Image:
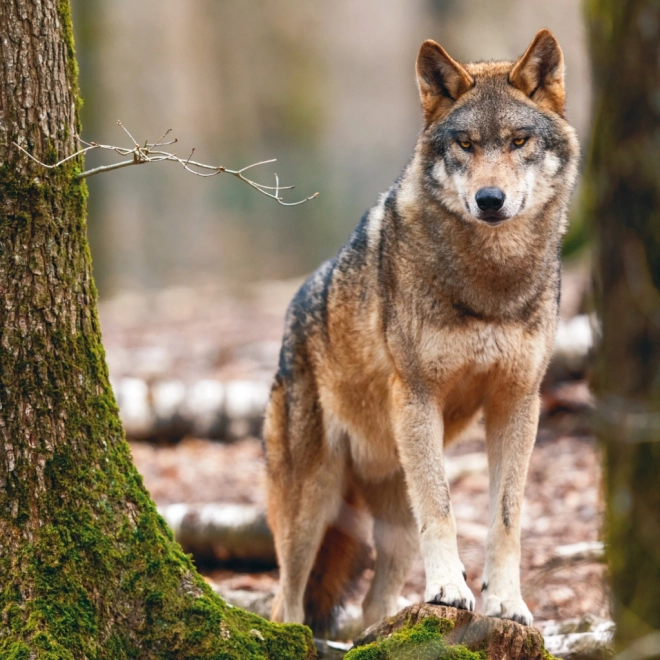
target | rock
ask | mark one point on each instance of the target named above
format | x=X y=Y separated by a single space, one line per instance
x=498 y=638
x=587 y=638
x=581 y=646
x=327 y=650
x=253 y=601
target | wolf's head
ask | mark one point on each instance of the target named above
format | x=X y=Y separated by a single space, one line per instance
x=495 y=145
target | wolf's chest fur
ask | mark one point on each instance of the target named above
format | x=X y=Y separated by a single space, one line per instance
x=460 y=365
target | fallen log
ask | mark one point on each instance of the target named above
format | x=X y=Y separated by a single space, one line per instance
x=169 y=410
x=226 y=533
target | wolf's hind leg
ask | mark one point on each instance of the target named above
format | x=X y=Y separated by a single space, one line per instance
x=300 y=519
x=396 y=541
x=304 y=484
x=301 y=525
x=510 y=435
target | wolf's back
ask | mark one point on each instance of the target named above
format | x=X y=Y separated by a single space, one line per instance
x=336 y=280
x=306 y=315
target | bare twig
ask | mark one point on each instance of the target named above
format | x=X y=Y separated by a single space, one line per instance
x=137 y=146
x=150 y=153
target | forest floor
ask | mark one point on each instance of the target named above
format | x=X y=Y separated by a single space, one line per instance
x=224 y=334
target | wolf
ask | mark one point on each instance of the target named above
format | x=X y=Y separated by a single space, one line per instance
x=441 y=306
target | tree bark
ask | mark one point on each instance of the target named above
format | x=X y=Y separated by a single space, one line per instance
x=623 y=196
x=88 y=569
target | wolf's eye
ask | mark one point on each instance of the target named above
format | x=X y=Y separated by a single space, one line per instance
x=465 y=145
x=518 y=142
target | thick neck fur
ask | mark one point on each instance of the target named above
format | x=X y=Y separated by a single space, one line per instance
x=492 y=272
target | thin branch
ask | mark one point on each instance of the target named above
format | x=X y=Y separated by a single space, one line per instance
x=262 y=162
x=61 y=162
x=191 y=155
x=160 y=142
x=105 y=168
x=127 y=133
x=149 y=153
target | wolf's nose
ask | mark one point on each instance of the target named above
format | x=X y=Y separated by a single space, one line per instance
x=490 y=199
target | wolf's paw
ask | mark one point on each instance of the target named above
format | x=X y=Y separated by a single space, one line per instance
x=509 y=608
x=453 y=592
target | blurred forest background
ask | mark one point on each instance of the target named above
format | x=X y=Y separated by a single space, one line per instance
x=326 y=88
x=195 y=274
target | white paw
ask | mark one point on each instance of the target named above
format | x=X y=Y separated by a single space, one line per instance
x=507 y=608
x=452 y=591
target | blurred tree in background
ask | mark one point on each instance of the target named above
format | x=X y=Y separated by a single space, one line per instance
x=327 y=88
x=89 y=569
x=623 y=198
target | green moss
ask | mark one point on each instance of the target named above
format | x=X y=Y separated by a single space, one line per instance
x=18 y=651
x=546 y=656
x=423 y=641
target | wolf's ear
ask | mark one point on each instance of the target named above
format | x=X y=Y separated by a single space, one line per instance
x=539 y=73
x=441 y=80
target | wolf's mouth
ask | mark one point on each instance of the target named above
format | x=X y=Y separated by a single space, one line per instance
x=493 y=218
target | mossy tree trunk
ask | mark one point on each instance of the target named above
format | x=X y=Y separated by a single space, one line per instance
x=87 y=567
x=623 y=194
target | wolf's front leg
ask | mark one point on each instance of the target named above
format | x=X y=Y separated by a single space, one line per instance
x=419 y=437
x=511 y=425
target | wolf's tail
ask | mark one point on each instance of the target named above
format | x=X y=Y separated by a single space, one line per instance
x=339 y=564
